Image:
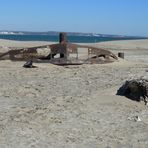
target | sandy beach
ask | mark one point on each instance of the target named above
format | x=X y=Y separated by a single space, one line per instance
x=73 y=106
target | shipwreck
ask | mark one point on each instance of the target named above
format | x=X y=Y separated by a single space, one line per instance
x=63 y=53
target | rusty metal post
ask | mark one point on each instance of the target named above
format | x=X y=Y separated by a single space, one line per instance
x=121 y=55
x=63 y=37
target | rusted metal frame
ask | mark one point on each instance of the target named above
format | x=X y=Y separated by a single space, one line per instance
x=63 y=48
x=91 y=51
x=58 y=49
x=72 y=49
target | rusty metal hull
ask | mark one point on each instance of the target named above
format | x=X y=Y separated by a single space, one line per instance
x=65 y=50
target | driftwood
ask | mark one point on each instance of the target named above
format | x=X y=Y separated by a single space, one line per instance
x=136 y=89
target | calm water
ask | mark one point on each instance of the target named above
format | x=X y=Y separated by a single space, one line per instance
x=54 y=38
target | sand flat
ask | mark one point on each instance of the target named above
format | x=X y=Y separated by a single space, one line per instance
x=73 y=106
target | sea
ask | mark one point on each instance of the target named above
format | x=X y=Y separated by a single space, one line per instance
x=73 y=39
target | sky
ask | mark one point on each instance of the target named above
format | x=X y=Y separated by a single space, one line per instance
x=120 y=17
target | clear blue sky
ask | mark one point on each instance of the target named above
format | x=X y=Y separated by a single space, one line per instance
x=125 y=17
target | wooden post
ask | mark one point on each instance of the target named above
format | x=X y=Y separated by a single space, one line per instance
x=121 y=55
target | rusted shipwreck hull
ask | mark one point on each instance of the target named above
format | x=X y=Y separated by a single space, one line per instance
x=63 y=53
